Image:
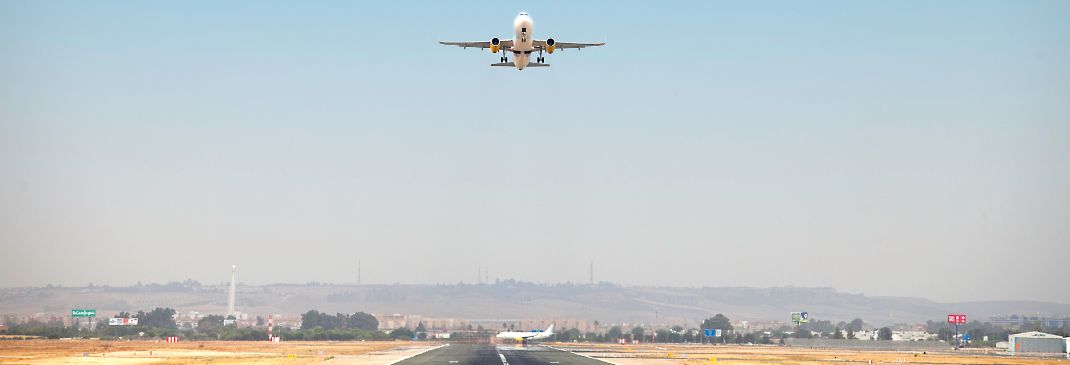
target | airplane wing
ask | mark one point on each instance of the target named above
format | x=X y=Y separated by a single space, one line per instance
x=541 y=44
x=505 y=44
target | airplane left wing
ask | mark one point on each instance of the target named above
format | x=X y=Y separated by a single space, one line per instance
x=504 y=44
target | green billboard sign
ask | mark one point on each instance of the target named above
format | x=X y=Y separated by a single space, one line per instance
x=83 y=312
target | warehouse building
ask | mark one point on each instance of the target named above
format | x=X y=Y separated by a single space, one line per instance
x=1036 y=342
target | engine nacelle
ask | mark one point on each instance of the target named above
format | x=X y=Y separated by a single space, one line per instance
x=550 y=45
x=495 y=45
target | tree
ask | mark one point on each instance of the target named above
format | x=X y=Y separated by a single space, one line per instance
x=615 y=333
x=364 y=321
x=310 y=319
x=209 y=323
x=157 y=318
x=402 y=333
x=838 y=335
x=719 y=322
x=421 y=331
x=855 y=325
x=885 y=333
x=637 y=333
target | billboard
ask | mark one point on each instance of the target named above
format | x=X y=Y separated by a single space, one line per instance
x=122 y=321
x=956 y=319
x=800 y=317
x=83 y=312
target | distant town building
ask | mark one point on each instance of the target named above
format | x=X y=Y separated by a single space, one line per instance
x=1036 y=342
x=866 y=335
x=912 y=336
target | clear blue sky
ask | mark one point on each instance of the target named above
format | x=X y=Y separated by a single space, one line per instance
x=882 y=147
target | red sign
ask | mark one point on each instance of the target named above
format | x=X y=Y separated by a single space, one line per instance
x=172 y=338
x=956 y=318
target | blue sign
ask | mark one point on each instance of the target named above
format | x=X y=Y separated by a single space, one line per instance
x=966 y=337
x=711 y=332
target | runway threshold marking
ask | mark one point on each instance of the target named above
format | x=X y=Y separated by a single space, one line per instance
x=578 y=354
x=421 y=352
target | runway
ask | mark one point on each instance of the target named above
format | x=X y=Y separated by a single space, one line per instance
x=498 y=355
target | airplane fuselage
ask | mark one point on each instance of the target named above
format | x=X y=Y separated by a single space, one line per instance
x=523 y=43
x=524 y=337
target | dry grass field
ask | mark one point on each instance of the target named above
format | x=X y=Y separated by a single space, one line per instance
x=91 y=352
x=651 y=354
x=203 y=352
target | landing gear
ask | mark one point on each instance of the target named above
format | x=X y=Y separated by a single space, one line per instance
x=540 y=59
x=503 y=59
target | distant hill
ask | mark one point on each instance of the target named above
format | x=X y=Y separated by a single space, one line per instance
x=510 y=299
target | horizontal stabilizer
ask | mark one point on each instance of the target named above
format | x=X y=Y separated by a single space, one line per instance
x=512 y=64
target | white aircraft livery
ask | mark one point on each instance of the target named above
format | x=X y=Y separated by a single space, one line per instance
x=522 y=45
x=524 y=337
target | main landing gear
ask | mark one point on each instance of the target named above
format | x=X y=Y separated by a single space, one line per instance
x=540 y=59
x=504 y=59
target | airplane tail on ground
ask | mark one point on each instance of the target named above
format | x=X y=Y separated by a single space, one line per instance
x=545 y=334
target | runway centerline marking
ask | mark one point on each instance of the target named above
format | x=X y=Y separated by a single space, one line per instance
x=504 y=361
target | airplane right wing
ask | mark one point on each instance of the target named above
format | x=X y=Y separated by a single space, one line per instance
x=541 y=44
x=504 y=44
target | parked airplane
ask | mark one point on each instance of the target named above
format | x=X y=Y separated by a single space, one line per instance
x=522 y=45
x=524 y=337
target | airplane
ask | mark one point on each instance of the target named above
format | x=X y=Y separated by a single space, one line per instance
x=522 y=45
x=524 y=337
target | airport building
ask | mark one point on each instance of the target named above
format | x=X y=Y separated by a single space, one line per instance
x=1036 y=342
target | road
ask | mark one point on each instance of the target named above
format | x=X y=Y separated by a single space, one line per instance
x=498 y=355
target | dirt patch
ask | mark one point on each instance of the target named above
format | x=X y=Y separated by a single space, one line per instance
x=89 y=352
x=702 y=354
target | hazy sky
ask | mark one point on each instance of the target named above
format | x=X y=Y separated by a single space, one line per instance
x=909 y=148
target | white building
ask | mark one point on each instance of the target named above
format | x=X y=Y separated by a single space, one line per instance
x=912 y=336
x=1036 y=342
x=866 y=335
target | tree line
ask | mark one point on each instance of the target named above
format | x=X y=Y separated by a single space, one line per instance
x=160 y=323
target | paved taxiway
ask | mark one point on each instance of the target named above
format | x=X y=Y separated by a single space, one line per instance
x=498 y=355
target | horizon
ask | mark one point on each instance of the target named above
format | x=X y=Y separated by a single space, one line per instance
x=499 y=281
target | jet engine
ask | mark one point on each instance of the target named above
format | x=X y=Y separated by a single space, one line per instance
x=550 y=45
x=495 y=45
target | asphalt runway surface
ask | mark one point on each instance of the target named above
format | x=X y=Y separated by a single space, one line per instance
x=498 y=355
